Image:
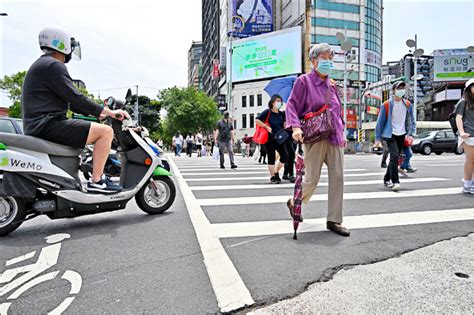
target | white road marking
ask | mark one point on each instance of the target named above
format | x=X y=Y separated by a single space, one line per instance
x=443 y=165
x=347 y=183
x=20 y=259
x=324 y=197
x=254 y=171
x=229 y=288
x=227 y=178
x=265 y=228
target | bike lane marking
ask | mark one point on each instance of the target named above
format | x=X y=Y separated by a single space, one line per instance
x=229 y=288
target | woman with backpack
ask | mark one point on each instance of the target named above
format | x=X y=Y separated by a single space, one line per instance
x=465 y=123
x=278 y=138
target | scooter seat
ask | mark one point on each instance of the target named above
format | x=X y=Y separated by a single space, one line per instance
x=37 y=144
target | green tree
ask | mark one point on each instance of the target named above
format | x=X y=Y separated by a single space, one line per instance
x=149 y=112
x=12 y=84
x=188 y=110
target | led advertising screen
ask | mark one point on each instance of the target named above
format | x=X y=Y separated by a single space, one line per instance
x=267 y=56
x=453 y=65
x=251 y=17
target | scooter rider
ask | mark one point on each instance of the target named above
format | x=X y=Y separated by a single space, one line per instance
x=48 y=93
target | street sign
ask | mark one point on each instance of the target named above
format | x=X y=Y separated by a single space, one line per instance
x=215 y=69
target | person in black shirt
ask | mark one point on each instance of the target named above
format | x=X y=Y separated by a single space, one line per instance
x=224 y=134
x=47 y=95
x=276 y=122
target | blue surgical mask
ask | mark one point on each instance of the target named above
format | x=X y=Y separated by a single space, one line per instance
x=325 y=66
x=278 y=105
x=400 y=93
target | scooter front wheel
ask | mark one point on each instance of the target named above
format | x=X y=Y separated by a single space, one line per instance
x=157 y=196
x=12 y=214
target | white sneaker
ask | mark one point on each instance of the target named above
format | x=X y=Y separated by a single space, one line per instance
x=468 y=190
x=396 y=187
x=402 y=172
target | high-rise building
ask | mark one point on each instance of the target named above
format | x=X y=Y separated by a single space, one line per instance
x=210 y=45
x=194 y=65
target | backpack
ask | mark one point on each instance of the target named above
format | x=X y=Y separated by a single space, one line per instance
x=452 y=119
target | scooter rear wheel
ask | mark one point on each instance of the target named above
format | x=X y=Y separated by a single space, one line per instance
x=12 y=214
x=158 y=199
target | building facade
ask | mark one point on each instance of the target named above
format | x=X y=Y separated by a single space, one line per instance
x=360 y=20
x=210 y=45
x=194 y=65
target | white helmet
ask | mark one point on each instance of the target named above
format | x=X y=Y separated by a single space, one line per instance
x=59 y=40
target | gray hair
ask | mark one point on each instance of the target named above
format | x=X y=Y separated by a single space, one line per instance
x=318 y=49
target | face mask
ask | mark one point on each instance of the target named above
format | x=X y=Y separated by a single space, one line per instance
x=400 y=93
x=325 y=66
x=278 y=105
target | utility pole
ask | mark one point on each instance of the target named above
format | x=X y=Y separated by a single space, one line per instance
x=307 y=35
x=230 y=35
x=135 y=111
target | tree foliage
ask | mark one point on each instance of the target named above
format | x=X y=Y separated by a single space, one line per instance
x=12 y=84
x=149 y=112
x=188 y=110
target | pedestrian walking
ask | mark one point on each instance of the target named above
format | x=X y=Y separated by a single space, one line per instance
x=406 y=164
x=263 y=154
x=189 y=144
x=385 y=154
x=246 y=142
x=288 y=171
x=199 y=143
x=314 y=92
x=465 y=124
x=275 y=122
x=224 y=134
x=178 y=143
x=396 y=121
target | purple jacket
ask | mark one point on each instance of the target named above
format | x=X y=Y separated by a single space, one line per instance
x=309 y=95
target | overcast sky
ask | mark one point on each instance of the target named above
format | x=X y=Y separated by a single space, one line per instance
x=125 y=43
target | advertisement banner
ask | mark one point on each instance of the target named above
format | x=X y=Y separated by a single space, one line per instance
x=215 y=69
x=267 y=56
x=453 y=65
x=251 y=17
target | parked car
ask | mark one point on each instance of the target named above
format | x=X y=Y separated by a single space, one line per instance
x=11 y=125
x=437 y=141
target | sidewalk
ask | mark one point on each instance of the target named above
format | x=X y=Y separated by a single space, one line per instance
x=422 y=281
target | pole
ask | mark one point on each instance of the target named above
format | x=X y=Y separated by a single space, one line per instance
x=135 y=111
x=345 y=88
x=231 y=51
x=415 y=85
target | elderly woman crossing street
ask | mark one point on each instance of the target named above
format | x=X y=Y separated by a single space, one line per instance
x=313 y=93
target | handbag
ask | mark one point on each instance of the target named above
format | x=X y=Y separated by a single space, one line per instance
x=261 y=133
x=281 y=136
x=318 y=126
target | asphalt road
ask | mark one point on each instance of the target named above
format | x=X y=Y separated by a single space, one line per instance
x=227 y=241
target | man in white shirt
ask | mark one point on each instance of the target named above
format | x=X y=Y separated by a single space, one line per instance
x=178 y=144
x=396 y=120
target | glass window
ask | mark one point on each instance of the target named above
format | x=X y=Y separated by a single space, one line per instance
x=252 y=101
x=244 y=100
x=333 y=6
x=331 y=40
x=244 y=121
x=333 y=23
x=259 y=100
x=6 y=126
x=252 y=120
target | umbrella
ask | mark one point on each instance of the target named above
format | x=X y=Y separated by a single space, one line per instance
x=298 y=194
x=281 y=86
